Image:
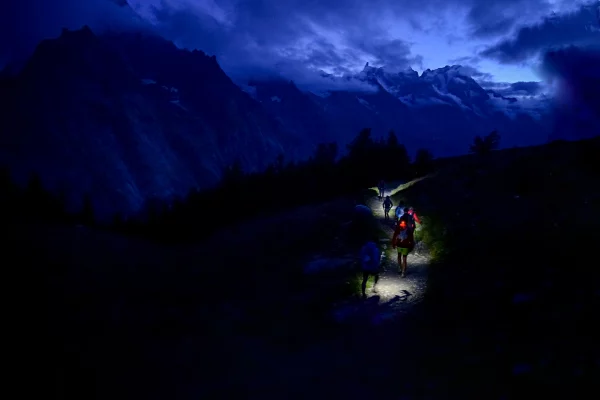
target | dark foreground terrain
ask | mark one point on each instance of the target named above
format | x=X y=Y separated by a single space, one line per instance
x=511 y=298
x=514 y=288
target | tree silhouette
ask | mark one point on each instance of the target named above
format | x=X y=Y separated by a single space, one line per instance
x=118 y=220
x=326 y=154
x=87 y=215
x=35 y=188
x=279 y=164
x=38 y=203
x=485 y=145
x=323 y=176
x=5 y=178
x=234 y=173
x=423 y=162
x=360 y=146
x=10 y=203
x=362 y=161
x=7 y=186
x=392 y=139
x=397 y=161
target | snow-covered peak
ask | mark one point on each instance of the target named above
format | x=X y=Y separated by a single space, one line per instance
x=449 y=70
x=450 y=86
x=409 y=73
x=369 y=70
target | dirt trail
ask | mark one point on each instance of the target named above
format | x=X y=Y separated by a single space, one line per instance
x=393 y=295
x=399 y=293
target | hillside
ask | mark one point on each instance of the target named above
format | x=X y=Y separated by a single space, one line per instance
x=441 y=110
x=510 y=297
x=115 y=120
x=513 y=288
x=128 y=117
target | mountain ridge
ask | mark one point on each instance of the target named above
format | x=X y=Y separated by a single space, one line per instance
x=129 y=116
x=101 y=127
x=406 y=102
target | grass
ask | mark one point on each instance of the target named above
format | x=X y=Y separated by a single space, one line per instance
x=355 y=283
x=402 y=186
x=432 y=234
x=431 y=231
x=407 y=185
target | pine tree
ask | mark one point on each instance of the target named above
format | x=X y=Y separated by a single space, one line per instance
x=87 y=211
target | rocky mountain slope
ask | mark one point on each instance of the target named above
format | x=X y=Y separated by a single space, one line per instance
x=126 y=117
x=441 y=110
x=130 y=117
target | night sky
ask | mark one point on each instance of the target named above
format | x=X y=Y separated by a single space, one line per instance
x=501 y=41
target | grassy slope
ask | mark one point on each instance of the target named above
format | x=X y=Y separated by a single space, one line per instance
x=515 y=282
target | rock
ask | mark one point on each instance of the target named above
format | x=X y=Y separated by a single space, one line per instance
x=421 y=248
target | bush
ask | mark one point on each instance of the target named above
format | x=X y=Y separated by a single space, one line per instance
x=281 y=186
x=240 y=195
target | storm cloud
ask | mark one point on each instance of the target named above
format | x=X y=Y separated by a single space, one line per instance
x=575 y=72
x=515 y=89
x=306 y=40
x=579 y=27
x=24 y=23
x=303 y=41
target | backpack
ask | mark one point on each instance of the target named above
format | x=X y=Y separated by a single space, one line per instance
x=399 y=211
x=406 y=224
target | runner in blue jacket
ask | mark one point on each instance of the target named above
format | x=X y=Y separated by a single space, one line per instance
x=370 y=258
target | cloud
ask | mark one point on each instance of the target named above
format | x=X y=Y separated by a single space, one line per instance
x=256 y=35
x=494 y=28
x=536 y=107
x=489 y=19
x=574 y=28
x=299 y=44
x=316 y=81
x=24 y=23
x=393 y=54
x=575 y=73
x=475 y=73
x=516 y=89
x=469 y=60
x=248 y=38
x=526 y=88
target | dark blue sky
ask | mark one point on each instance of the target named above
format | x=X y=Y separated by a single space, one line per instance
x=500 y=41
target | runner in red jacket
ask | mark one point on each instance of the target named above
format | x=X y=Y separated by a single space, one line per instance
x=412 y=212
x=404 y=239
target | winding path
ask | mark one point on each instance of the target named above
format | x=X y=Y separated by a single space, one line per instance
x=393 y=295
x=391 y=286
